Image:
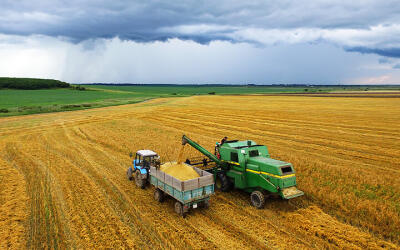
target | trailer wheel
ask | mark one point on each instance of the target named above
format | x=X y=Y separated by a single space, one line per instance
x=179 y=209
x=138 y=180
x=205 y=204
x=129 y=173
x=257 y=199
x=222 y=183
x=158 y=195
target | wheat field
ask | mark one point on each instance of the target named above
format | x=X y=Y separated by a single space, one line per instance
x=63 y=182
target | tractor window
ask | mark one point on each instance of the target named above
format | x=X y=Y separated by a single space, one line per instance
x=286 y=170
x=146 y=161
x=234 y=157
x=138 y=160
x=253 y=153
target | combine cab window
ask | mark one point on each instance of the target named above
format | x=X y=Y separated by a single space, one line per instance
x=253 y=153
x=234 y=157
x=286 y=170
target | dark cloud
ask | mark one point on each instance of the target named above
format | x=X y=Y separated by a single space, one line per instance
x=142 y=20
x=390 y=52
x=257 y=21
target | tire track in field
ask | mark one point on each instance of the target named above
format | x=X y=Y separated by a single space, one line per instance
x=111 y=199
x=225 y=235
x=222 y=229
x=13 y=207
x=245 y=210
x=45 y=226
x=74 y=182
x=218 y=219
x=231 y=230
x=318 y=155
x=167 y=224
x=287 y=136
x=74 y=179
x=316 y=145
x=284 y=138
x=325 y=232
x=93 y=199
x=164 y=236
x=346 y=146
x=72 y=118
x=291 y=122
x=271 y=122
x=294 y=108
x=320 y=159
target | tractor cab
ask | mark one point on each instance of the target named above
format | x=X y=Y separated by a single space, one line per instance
x=144 y=159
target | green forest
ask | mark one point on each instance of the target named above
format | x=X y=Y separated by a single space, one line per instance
x=31 y=83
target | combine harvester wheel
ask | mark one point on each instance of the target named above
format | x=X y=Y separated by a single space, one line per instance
x=257 y=199
x=222 y=183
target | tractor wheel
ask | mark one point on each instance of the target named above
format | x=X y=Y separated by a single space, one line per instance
x=205 y=204
x=158 y=195
x=138 y=180
x=222 y=183
x=257 y=199
x=129 y=173
x=179 y=209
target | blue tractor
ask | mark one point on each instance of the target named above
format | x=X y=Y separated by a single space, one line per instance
x=144 y=159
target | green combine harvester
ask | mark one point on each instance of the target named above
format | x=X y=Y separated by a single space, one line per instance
x=247 y=166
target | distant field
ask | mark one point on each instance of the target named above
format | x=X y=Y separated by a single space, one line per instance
x=22 y=102
x=202 y=89
x=15 y=98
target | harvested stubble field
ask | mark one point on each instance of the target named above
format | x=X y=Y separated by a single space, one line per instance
x=63 y=183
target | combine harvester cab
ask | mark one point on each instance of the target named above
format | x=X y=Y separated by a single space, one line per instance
x=247 y=166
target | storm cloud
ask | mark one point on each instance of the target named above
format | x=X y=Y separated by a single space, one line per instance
x=363 y=26
x=202 y=41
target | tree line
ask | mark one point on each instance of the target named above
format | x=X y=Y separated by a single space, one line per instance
x=31 y=83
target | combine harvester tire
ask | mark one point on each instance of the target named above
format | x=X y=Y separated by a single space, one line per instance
x=257 y=199
x=222 y=183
